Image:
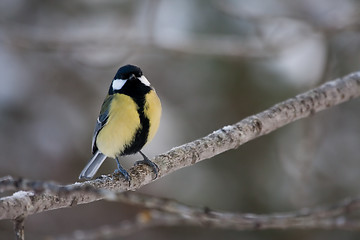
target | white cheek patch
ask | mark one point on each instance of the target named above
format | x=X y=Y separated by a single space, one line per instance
x=144 y=80
x=117 y=84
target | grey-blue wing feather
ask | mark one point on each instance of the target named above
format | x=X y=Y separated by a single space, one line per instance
x=101 y=121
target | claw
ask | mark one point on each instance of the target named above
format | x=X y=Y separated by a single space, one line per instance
x=151 y=164
x=124 y=173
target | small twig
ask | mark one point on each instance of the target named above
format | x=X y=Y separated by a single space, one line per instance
x=19 y=228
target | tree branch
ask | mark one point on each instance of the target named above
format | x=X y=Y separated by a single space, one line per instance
x=165 y=213
x=143 y=220
x=19 y=228
x=336 y=216
x=229 y=137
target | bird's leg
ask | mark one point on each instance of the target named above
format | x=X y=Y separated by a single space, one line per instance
x=121 y=170
x=147 y=161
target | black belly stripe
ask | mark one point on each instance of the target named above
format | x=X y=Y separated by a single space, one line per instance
x=142 y=132
x=137 y=91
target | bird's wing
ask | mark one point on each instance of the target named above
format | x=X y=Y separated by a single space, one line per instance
x=101 y=121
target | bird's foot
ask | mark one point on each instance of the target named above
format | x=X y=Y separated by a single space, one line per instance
x=151 y=164
x=124 y=173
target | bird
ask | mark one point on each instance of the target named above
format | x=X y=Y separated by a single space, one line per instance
x=128 y=120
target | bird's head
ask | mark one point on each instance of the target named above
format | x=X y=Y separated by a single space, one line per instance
x=129 y=79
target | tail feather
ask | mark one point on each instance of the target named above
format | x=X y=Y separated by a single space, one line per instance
x=92 y=166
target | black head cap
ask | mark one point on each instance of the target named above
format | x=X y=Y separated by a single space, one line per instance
x=126 y=71
x=131 y=83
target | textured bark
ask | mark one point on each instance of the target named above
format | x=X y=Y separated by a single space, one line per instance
x=19 y=229
x=226 y=138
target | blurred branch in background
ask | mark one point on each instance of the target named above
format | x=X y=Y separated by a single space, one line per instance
x=295 y=21
x=170 y=213
x=274 y=33
x=173 y=41
x=330 y=21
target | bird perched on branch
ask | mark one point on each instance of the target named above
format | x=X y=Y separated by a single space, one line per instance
x=129 y=119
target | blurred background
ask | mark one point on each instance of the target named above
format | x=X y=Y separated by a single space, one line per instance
x=212 y=63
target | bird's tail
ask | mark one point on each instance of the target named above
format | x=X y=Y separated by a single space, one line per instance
x=92 y=166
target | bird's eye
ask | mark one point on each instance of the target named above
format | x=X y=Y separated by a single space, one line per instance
x=132 y=77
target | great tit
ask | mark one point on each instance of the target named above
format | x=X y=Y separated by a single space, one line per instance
x=129 y=119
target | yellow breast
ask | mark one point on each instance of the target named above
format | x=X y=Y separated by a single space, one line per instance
x=121 y=126
x=124 y=121
x=152 y=111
